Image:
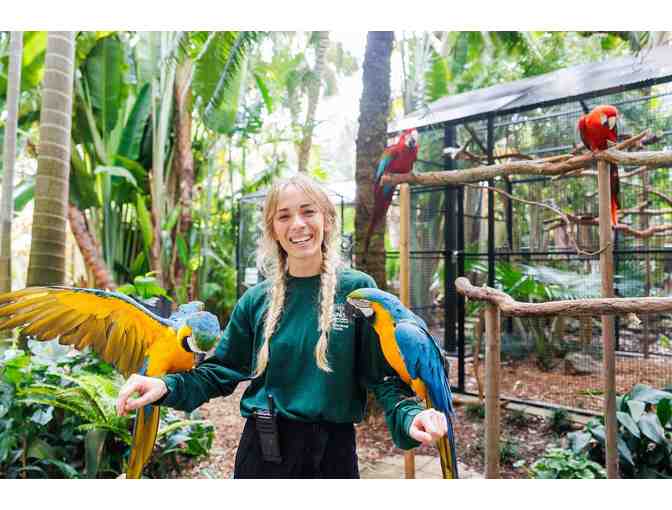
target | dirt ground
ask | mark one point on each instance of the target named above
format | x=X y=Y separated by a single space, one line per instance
x=525 y=381
x=525 y=438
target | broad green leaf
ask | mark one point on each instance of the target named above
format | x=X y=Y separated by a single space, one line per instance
x=85 y=42
x=104 y=71
x=645 y=393
x=144 y=221
x=64 y=467
x=624 y=451
x=637 y=408
x=23 y=194
x=171 y=221
x=578 y=441
x=117 y=171
x=137 y=264
x=651 y=428
x=127 y=289
x=93 y=451
x=34 y=53
x=40 y=449
x=148 y=56
x=82 y=183
x=664 y=411
x=182 y=250
x=131 y=137
x=43 y=416
x=139 y=172
x=626 y=420
x=265 y=94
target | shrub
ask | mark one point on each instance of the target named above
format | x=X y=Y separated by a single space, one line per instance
x=559 y=421
x=475 y=411
x=644 y=431
x=58 y=418
x=559 y=463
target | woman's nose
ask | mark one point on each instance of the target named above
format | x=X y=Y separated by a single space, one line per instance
x=297 y=221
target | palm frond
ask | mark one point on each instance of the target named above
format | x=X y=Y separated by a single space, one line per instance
x=218 y=66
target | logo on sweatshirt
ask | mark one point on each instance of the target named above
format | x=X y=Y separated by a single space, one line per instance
x=341 y=321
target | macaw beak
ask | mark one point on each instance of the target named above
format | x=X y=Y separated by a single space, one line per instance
x=358 y=308
x=612 y=123
x=412 y=139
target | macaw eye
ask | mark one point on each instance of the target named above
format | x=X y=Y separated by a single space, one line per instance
x=185 y=343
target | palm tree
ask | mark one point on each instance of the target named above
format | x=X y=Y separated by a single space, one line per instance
x=374 y=107
x=47 y=249
x=321 y=42
x=13 y=91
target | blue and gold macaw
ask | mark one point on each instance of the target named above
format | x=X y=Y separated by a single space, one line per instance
x=413 y=353
x=123 y=332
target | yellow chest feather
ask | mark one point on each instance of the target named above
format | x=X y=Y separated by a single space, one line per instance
x=384 y=326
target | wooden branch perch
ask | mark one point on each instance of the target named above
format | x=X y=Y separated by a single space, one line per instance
x=567 y=163
x=569 y=308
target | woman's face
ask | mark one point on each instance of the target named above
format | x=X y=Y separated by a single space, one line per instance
x=299 y=226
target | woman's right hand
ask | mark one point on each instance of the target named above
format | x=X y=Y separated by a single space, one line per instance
x=150 y=389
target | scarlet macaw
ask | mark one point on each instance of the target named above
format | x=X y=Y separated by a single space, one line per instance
x=123 y=332
x=596 y=128
x=396 y=159
x=413 y=353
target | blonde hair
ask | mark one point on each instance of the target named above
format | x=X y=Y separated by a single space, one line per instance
x=272 y=261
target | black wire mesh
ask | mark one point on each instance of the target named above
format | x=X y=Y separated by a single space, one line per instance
x=531 y=255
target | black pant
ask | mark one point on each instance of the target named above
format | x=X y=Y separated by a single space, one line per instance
x=309 y=450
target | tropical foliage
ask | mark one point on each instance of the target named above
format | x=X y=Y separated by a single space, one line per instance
x=644 y=438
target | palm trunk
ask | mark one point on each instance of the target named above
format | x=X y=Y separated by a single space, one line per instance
x=47 y=249
x=6 y=202
x=87 y=247
x=183 y=165
x=374 y=108
x=162 y=91
x=313 y=98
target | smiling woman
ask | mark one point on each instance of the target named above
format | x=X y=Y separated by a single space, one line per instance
x=308 y=366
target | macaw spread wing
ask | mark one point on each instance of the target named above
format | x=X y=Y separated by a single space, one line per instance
x=112 y=325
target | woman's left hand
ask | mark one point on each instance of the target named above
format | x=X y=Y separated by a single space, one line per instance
x=428 y=426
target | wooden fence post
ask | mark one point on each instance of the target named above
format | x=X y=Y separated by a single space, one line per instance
x=492 y=362
x=405 y=283
x=608 y=330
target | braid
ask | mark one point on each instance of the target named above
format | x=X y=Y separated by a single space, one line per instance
x=327 y=292
x=276 y=293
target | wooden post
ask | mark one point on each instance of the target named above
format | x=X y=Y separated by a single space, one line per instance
x=608 y=330
x=492 y=358
x=405 y=282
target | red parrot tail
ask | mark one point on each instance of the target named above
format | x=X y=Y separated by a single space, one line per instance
x=144 y=436
x=615 y=190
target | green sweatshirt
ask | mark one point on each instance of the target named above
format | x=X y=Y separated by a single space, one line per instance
x=301 y=391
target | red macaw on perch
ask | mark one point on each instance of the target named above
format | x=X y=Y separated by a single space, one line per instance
x=396 y=159
x=596 y=129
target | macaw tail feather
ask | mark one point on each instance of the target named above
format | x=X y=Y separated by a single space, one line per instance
x=144 y=436
x=447 y=450
x=615 y=190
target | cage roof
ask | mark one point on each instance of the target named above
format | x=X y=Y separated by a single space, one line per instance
x=561 y=86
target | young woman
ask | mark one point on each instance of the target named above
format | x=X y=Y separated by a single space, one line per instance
x=291 y=336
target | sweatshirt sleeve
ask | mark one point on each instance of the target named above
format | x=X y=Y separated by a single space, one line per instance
x=395 y=397
x=218 y=375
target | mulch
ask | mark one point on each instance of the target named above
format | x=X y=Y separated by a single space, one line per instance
x=527 y=438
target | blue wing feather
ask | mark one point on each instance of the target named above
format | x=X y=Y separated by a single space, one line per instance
x=424 y=361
